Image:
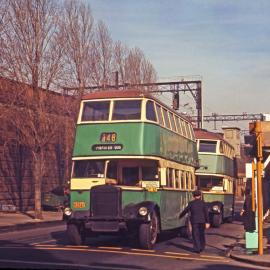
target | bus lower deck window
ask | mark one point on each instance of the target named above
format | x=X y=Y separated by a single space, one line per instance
x=89 y=168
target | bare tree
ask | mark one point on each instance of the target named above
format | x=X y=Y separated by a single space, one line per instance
x=138 y=69
x=132 y=65
x=3 y=13
x=32 y=55
x=45 y=43
x=77 y=25
x=120 y=54
x=102 y=56
x=30 y=39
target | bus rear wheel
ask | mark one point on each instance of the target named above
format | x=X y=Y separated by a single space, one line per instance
x=148 y=233
x=186 y=231
x=217 y=220
x=75 y=235
x=229 y=219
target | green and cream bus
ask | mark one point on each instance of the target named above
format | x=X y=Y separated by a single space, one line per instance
x=133 y=171
x=216 y=175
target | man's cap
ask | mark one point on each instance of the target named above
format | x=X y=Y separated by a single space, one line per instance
x=196 y=193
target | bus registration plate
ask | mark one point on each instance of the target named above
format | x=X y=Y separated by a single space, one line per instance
x=77 y=204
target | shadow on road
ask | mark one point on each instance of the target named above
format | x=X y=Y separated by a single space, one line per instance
x=225 y=267
x=113 y=240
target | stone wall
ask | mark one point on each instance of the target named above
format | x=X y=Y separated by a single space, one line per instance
x=16 y=177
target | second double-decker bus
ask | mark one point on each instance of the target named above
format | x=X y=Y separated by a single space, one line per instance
x=134 y=162
x=216 y=175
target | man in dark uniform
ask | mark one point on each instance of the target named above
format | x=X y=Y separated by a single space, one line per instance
x=247 y=213
x=199 y=220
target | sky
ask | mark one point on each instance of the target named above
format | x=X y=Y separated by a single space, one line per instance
x=225 y=42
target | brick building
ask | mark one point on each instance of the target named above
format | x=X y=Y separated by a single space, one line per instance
x=16 y=173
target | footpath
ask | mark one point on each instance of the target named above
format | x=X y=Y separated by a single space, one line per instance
x=22 y=221
x=14 y=221
x=240 y=253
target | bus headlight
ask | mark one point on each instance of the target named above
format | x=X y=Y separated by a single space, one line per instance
x=143 y=211
x=67 y=211
x=216 y=208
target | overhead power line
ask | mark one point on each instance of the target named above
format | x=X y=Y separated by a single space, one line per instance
x=230 y=117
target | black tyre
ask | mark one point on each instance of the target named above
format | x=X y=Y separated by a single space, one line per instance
x=217 y=220
x=75 y=236
x=229 y=219
x=186 y=231
x=148 y=233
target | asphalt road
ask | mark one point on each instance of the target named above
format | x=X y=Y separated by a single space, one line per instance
x=48 y=248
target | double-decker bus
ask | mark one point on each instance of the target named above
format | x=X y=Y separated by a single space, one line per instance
x=133 y=171
x=216 y=175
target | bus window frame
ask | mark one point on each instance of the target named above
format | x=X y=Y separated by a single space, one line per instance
x=184 y=130
x=144 y=111
x=180 y=129
x=208 y=140
x=111 y=100
x=183 y=180
x=159 y=108
x=166 y=116
x=172 y=122
x=79 y=120
x=127 y=120
x=177 y=179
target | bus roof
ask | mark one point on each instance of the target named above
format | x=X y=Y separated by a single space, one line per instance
x=131 y=93
x=116 y=94
x=203 y=134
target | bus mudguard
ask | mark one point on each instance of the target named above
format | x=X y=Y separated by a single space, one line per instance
x=141 y=211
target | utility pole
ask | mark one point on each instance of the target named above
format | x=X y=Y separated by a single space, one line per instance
x=255 y=140
x=259 y=157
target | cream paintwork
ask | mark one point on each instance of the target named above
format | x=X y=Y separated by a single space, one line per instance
x=85 y=183
x=184 y=124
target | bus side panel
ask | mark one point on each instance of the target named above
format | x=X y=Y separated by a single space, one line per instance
x=226 y=199
x=213 y=164
x=177 y=148
x=132 y=196
x=136 y=139
x=172 y=203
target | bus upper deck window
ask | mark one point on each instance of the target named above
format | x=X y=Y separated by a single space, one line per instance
x=221 y=147
x=207 y=146
x=127 y=110
x=150 y=111
x=166 y=118
x=172 y=121
x=96 y=111
x=160 y=118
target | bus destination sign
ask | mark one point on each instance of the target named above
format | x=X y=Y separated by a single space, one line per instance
x=107 y=147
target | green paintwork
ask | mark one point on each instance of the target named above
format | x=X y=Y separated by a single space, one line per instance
x=226 y=199
x=138 y=139
x=215 y=164
x=80 y=196
x=132 y=197
x=170 y=203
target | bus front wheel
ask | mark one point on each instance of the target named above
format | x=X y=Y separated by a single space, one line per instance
x=148 y=233
x=75 y=236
